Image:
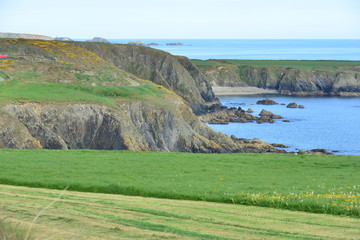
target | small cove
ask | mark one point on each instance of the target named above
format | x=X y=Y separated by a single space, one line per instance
x=331 y=123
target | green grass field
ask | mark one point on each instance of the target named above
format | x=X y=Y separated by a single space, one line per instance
x=75 y=93
x=77 y=76
x=319 y=184
x=94 y=216
x=303 y=64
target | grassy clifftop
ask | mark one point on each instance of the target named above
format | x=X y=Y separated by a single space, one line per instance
x=175 y=73
x=302 y=64
x=51 y=71
x=61 y=95
x=289 y=77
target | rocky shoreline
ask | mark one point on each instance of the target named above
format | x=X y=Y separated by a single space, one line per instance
x=228 y=91
x=233 y=91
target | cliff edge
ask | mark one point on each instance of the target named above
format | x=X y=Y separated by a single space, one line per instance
x=288 y=77
x=61 y=95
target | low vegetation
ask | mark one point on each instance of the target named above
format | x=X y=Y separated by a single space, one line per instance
x=59 y=72
x=10 y=231
x=94 y=216
x=319 y=184
x=302 y=64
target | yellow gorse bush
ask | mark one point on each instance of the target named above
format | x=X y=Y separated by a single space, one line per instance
x=64 y=51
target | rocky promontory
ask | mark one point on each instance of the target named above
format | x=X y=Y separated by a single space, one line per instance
x=107 y=96
x=217 y=114
x=176 y=73
x=134 y=126
x=63 y=39
x=339 y=78
x=99 y=40
x=25 y=36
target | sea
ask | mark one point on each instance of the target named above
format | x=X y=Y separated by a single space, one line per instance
x=331 y=123
x=259 y=49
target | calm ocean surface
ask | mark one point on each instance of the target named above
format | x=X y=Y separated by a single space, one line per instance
x=331 y=123
x=272 y=49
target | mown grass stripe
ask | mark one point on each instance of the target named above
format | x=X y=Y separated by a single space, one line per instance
x=170 y=229
x=198 y=215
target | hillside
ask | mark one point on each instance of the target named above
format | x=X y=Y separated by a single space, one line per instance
x=289 y=77
x=59 y=95
x=175 y=73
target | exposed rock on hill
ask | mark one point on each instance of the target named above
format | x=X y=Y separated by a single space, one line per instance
x=175 y=73
x=94 y=104
x=135 y=126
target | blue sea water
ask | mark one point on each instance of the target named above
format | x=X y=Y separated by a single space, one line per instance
x=270 y=49
x=331 y=123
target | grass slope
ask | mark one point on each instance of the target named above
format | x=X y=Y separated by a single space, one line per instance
x=302 y=64
x=321 y=184
x=104 y=216
x=59 y=72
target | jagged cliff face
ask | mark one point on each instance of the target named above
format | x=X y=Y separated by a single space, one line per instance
x=175 y=73
x=56 y=95
x=134 y=126
x=286 y=80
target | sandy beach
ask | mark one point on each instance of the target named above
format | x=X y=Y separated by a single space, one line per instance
x=226 y=91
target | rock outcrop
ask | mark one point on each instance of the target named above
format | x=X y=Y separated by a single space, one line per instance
x=133 y=126
x=287 y=80
x=99 y=40
x=315 y=152
x=217 y=114
x=115 y=109
x=175 y=73
x=63 y=39
x=292 y=105
x=267 y=116
x=137 y=43
x=266 y=102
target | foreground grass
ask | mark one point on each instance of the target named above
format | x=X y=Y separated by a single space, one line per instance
x=104 y=216
x=9 y=231
x=320 y=184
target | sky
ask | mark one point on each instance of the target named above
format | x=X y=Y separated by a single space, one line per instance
x=183 y=19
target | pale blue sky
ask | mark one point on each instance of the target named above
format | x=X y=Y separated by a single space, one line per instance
x=251 y=19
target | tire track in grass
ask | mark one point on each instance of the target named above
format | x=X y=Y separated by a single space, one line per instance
x=107 y=216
